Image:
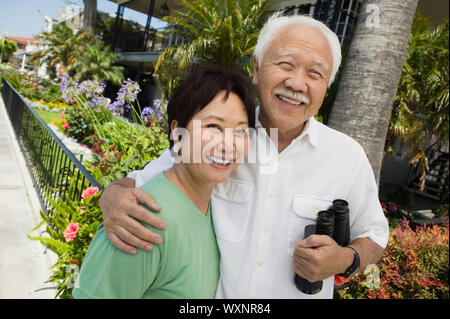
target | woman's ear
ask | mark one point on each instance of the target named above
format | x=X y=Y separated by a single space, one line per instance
x=173 y=126
x=176 y=148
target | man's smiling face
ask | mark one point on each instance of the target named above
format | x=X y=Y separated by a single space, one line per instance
x=293 y=77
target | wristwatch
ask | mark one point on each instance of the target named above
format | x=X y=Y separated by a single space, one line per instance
x=354 y=267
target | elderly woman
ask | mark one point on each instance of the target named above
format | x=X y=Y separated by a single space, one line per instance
x=210 y=114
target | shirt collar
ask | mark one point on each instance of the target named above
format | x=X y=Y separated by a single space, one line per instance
x=310 y=131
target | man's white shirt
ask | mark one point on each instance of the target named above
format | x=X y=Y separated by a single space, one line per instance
x=261 y=210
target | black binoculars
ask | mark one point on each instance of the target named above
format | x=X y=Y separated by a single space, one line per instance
x=335 y=223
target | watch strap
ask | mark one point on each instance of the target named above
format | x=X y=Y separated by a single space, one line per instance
x=354 y=267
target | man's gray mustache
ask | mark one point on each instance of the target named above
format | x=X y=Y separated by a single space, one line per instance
x=293 y=95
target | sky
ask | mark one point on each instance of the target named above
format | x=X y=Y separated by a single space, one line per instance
x=21 y=17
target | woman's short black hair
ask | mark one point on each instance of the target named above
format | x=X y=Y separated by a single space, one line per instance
x=200 y=87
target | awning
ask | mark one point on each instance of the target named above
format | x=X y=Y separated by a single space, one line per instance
x=160 y=5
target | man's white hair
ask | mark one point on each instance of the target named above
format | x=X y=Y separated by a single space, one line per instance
x=277 y=22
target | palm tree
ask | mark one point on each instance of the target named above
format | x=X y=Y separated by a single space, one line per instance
x=89 y=15
x=368 y=84
x=61 y=49
x=422 y=103
x=96 y=62
x=214 y=32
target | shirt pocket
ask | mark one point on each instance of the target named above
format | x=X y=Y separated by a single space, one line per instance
x=303 y=213
x=231 y=209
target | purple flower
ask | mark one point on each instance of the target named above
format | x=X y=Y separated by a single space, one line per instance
x=68 y=89
x=98 y=101
x=116 y=108
x=147 y=113
x=157 y=103
x=91 y=89
x=128 y=92
x=126 y=95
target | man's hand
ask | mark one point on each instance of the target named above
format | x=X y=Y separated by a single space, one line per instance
x=121 y=211
x=319 y=257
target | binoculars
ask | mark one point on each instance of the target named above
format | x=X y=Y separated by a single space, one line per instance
x=335 y=223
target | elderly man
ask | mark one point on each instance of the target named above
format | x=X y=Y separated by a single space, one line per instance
x=260 y=214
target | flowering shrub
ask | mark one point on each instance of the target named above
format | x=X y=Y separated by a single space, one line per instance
x=30 y=85
x=124 y=148
x=71 y=227
x=415 y=265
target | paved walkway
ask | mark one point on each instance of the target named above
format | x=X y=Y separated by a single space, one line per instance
x=24 y=264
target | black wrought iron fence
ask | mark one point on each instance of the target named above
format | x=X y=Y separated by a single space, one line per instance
x=55 y=171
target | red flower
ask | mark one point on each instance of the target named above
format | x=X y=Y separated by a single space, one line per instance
x=96 y=149
x=339 y=281
x=74 y=262
x=65 y=126
x=111 y=148
x=118 y=155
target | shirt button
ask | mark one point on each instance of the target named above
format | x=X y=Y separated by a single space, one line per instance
x=228 y=194
x=265 y=229
x=271 y=194
x=259 y=263
x=253 y=297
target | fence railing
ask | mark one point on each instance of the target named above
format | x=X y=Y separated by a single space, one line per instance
x=55 y=171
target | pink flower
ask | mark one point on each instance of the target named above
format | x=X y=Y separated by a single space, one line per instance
x=61 y=116
x=384 y=207
x=82 y=211
x=65 y=126
x=392 y=207
x=90 y=191
x=36 y=88
x=71 y=231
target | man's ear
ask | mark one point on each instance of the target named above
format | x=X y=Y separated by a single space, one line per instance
x=255 y=71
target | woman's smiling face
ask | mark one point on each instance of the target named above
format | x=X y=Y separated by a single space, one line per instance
x=216 y=139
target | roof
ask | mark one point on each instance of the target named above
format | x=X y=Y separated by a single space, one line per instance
x=22 y=39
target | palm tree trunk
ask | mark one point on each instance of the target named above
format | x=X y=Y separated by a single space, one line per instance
x=89 y=15
x=363 y=104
